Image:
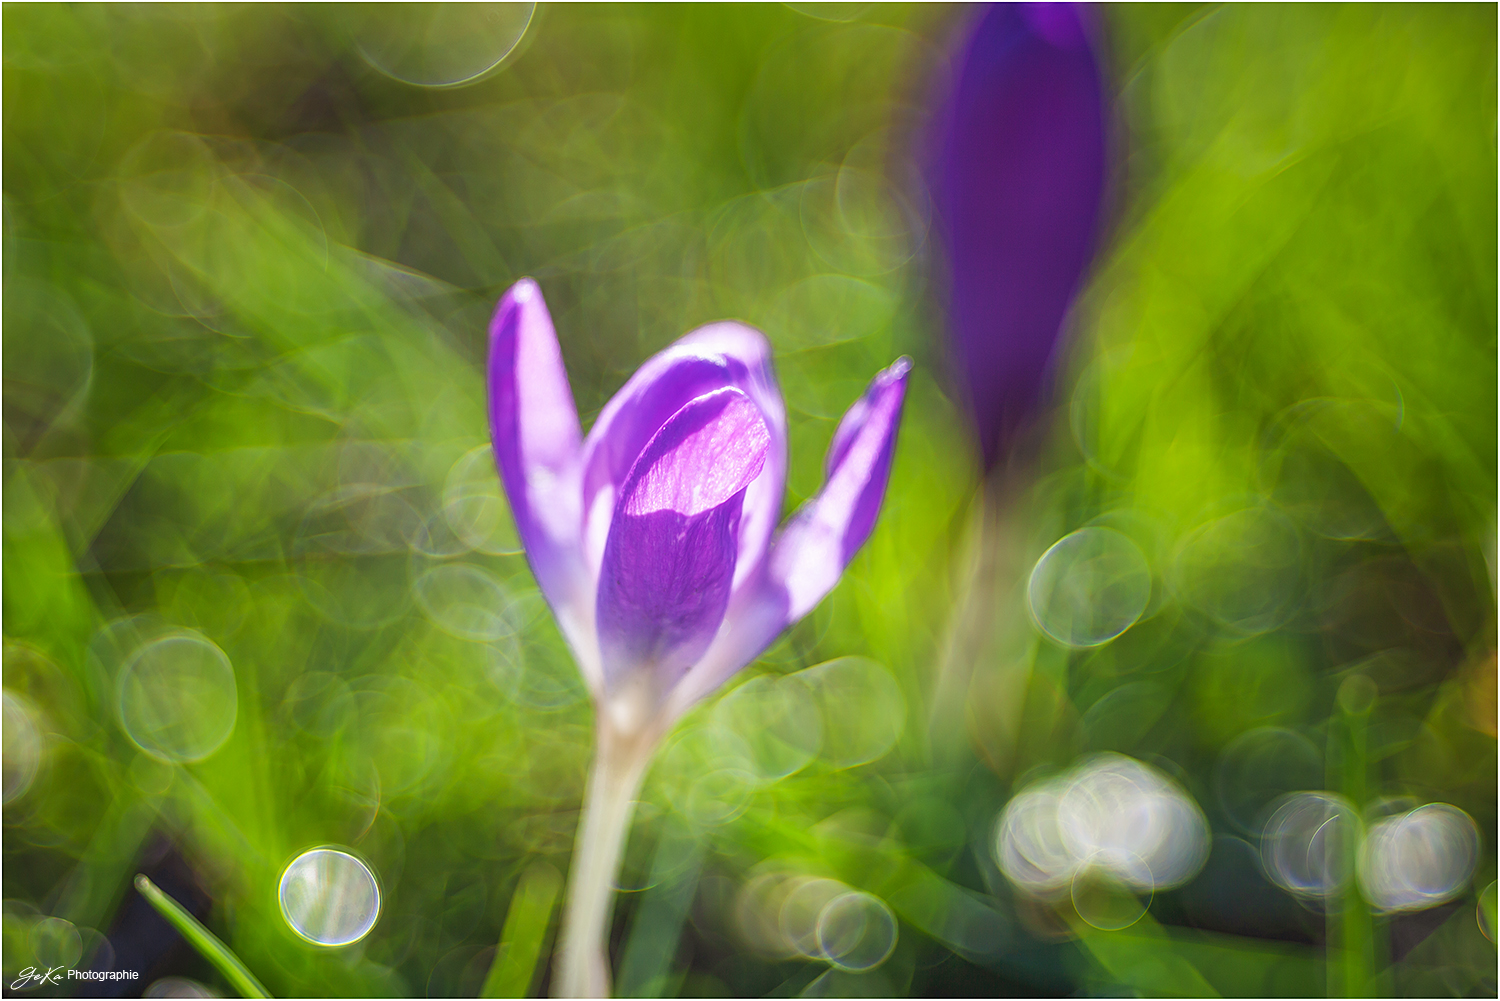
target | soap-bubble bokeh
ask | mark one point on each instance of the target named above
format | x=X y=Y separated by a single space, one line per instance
x=1188 y=690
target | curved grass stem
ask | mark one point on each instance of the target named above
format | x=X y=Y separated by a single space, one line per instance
x=205 y=941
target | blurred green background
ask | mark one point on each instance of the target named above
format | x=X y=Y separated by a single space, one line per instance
x=262 y=593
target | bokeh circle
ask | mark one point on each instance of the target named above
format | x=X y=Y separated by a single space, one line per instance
x=177 y=697
x=329 y=897
x=1089 y=587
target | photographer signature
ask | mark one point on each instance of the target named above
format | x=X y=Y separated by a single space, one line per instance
x=32 y=977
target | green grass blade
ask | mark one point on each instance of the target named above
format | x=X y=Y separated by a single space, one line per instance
x=514 y=969
x=205 y=941
x=646 y=966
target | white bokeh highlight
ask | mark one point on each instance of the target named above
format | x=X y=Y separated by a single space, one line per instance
x=329 y=897
x=1418 y=859
x=1308 y=845
x=23 y=746
x=1109 y=817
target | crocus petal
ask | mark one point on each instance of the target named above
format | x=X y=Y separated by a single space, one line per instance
x=755 y=376
x=759 y=614
x=673 y=541
x=826 y=532
x=537 y=441
x=820 y=540
x=1018 y=185
x=713 y=357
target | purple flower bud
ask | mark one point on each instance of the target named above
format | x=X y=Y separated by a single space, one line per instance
x=1018 y=181
x=652 y=537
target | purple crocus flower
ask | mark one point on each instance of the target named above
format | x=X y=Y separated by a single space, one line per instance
x=1018 y=184
x=652 y=540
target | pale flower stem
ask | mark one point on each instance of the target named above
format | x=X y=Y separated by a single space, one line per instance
x=620 y=763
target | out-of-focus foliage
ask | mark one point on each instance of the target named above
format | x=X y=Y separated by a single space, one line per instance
x=1282 y=397
x=262 y=593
